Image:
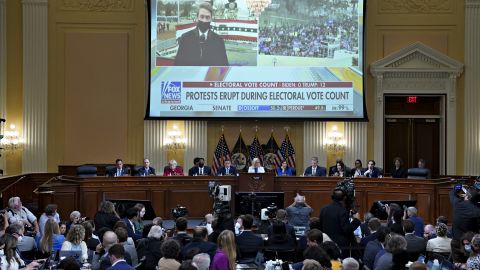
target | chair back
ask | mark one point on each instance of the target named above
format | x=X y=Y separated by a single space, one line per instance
x=418 y=173
x=86 y=171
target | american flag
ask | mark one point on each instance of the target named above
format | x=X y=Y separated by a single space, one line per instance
x=272 y=147
x=287 y=152
x=221 y=154
x=256 y=150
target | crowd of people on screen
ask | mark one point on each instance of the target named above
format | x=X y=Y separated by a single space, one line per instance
x=117 y=238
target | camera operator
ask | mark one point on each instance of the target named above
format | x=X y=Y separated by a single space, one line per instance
x=299 y=212
x=466 y=210
x=335 y=222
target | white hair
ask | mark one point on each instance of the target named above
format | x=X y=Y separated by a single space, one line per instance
x=13 y=201
x=156 y=232
x=350 y=264
x=173 y=162
x=201 y=261
x=75 y=214
x=412 y=211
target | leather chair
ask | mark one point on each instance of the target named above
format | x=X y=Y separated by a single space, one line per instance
x=86 y=171
x=418 y=173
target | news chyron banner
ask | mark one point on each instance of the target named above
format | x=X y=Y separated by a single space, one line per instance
x=293 y=61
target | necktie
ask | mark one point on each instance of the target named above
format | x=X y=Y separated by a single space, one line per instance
x=313 y=171
x=201 y=171
x=119 y=172
x=226 y=171
x=256 y=170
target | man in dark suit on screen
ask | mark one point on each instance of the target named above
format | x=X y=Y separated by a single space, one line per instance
x=201 y=46
x=315 y=170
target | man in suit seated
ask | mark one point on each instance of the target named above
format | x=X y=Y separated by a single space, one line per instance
x=100 y=259
x=116 y=255
x=375 y=246
x=195 y=164
x=372 y=171
x=181 y=231
x=315 y=170
x=283 y=216
x=146 y=170
x=119 y=170
x=200 y=242
x=248 y=243
x=201 y=169
x=227 y=169
x=132 y=215
x=415 y=245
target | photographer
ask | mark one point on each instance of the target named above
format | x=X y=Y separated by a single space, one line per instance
x=335 y=222
x=466 y=211
x=299 y=212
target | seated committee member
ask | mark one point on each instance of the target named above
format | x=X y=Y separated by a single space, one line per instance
x=195 y=164
x=398 y=170
x=284 y=170
x=340 y=170
x=201 y=46
x=315 y=170
x=146 y=170
x=227 y=169
x=200 y=169
x=372 y=171
x=256 y=167
x=172 y=169
x=358 y=169
x=119 y=170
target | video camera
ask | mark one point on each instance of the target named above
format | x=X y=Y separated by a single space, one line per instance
x=269 y=212
x=348 y=188
x=179 y=211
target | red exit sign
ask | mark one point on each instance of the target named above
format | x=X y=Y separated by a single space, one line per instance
x=412 y=99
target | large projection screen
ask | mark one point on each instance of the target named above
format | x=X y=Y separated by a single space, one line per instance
x=296 y=59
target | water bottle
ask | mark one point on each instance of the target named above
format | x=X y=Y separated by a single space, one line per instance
x=436 y=265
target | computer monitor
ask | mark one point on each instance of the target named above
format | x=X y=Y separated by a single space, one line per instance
x=253 y=202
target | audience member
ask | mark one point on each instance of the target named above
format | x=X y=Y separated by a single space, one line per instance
x=441 y=243
x=418 y=221
x=122 y=236
x=181 y=231
x=398 y=170
x=466 y=213
x=51 y=240
x=248 y=243
x=50 y=213
x=170 y=250
x=18 y=213
x=350 y=264
x=101 y=260
x=201 y=261
x=187 y=265
x=280 y=240
x=106 y=216
x=116 y=254
x=373 y=225
x=334 y=252
x=316 y=253
x=444 y=220
x=200 y=241
x=311 y=265
x=63 y=228
x=130 y=218
x=138 y=223
x=69 y=263
x=256 y=166
x=226 y=255
x=74 y=241
x=473 y=261
x=384 y=261
x=375 y=246
x=395 y=218
x=429 y=232
x=415 y=245
x=216 y=230
x=24 y=242
x=150 y=247
x=146 y=170
x=299 y=212
x=418 y=266
x=364 y=226
x=75 y=217
x=283 y=217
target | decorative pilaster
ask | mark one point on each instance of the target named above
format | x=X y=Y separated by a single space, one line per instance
x=313 y=134
x=196 y=146
x=356 y=142
x=472 y=93
x=154 y=134
x=3 y=68
x=35 y=85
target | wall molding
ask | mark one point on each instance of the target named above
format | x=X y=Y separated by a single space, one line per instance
x=97 y=5
x=3 y=71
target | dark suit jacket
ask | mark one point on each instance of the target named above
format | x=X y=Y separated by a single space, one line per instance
x=400 y=173
x=105 y=263
x=195 y=171
x=248 y=244
x=345 y=174
x=371 y=250
x=183 y=238
x=121 y=266
x=320 y=171
x=375 y=174
x=466 y=216
x=150 y=248
x=334 y=221
x=415 y=245
x=131 y=230
x=143 y=172
x=112 y=172
x=194 y=52
x=367 y=239
x=204 y=247
x=104 y=220
x=231 y=171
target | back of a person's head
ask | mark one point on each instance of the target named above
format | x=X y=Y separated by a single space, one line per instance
x=120 y=223
x=442 y=219
x=309 y=264
x=181 y=224
x=350 y=264
x=170 y=249
x=399 y=259
x=155 y=232
x=281 y=214
x=109 y=239
x=332 y=249
x=374 y=224
x=50 y=209
x=382 y=233
x=117 y=250
x=418 y=266
x=69 y=263
x=315 y=235
x=408 y=226
x=441 y=229
x=247 y=222
x=200 y=233
x=396 y=212
x=122 y=235
x=13 y=228
x=396 y=242
x=187 y=265
x=314 y=223
x=146 y=230
x=318 y=254
x=278 y=228
x=131 y=212
x=202 y=261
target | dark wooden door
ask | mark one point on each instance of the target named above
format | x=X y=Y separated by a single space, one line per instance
x=412 y=139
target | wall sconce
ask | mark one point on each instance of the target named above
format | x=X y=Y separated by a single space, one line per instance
x=334 y=142
x=11 y=140
x=174 y=140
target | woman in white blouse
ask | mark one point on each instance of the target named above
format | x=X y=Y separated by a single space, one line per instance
x=256 y=167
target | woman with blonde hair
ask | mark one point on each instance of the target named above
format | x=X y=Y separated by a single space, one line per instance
x=75 y=242
x=226 y=253
x=256 y=166
x=51 y=240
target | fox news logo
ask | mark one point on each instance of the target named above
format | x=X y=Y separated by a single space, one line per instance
x=171 y=92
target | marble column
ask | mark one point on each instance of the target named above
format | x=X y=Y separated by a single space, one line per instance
x=196 y=146
x=356 y=142
x=35 y=85
x=313 y=134
x=154 y=134
x=3 y=70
